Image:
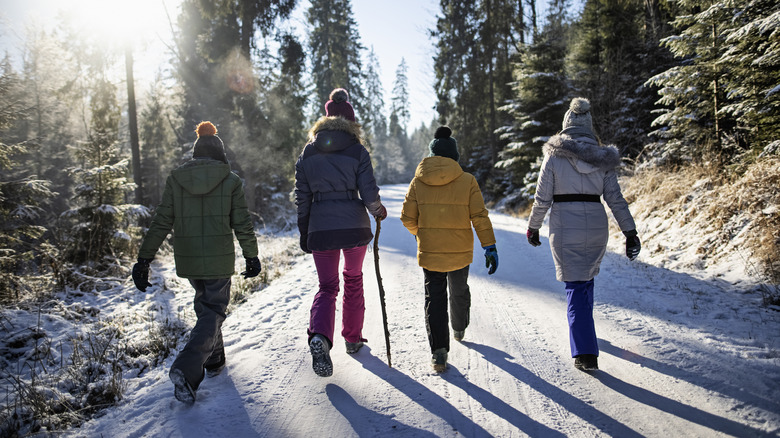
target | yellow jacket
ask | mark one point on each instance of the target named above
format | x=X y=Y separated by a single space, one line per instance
x=442 y=204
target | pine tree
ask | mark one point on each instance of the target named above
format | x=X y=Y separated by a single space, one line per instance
x=538 y=106
x=285 y=133
x=751 y=61
x=159 y=147
x=25 y=256
x=374 y=119
x=335 y=51
x=405 y=158
x=94 y=232
x=400 y=99
x=692 y=124
x=607 y=67
x=475 y=44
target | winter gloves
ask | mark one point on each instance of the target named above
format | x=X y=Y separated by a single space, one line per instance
x=141 y=274
x=304 y=243
x=632 y=244
x=141 y=271
x=491 y=258
x=253 y=267
x=533 y=236
x=382 y=214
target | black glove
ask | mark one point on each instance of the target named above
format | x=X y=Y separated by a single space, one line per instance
x=141 y=274
x=633 y=246
x=491 y=258
x=533 y=237
x=253 y=267
x=305 y=244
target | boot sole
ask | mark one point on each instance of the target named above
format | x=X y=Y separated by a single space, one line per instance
x=320 y=356
x=181 y=389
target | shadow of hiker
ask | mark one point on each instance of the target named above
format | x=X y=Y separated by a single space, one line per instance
x=420 y=394
x=696 y=379
x=521 y=421
x=680 y=410
x=218 y=408
x=569 y=402
x=365 y=422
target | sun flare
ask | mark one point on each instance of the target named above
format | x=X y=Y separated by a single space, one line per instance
x=120 y=21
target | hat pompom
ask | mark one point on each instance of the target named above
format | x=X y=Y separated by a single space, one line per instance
x=205 y=129
x=339 y=95
x=443 y=132
x=579 y=105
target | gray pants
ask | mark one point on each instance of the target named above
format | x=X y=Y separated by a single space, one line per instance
x=205 y=343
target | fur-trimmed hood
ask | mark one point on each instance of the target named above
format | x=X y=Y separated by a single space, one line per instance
x=583 y=148
x=336 y=123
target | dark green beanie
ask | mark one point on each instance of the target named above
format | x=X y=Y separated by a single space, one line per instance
x=443 y=144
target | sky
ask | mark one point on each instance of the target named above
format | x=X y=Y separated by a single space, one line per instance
x=686 y=347
x=394 y=29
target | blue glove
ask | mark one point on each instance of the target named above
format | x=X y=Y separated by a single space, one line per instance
x=491 y=258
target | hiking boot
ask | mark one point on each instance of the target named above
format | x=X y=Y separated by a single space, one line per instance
x=586 y=362
x=353 y=347
x=213 y=369
x=459 y=334
x=181 y=389
x=439 y=360
x=320 y=356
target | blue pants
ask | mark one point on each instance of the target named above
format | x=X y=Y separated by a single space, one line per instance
x=582 y=330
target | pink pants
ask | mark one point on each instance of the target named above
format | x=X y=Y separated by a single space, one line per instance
x=323 y=309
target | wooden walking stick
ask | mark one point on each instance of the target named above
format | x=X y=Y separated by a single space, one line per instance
x=381 y=291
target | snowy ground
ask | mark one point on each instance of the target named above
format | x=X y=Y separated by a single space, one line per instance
x=681 y=355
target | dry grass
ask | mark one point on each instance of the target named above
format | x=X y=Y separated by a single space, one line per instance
x=724 y=210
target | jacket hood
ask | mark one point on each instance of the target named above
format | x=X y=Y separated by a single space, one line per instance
x=438 y=171
x=200 y=176
x=341 y=133
x=584 y=148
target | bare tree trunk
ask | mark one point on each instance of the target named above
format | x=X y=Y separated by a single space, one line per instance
x=132 y=117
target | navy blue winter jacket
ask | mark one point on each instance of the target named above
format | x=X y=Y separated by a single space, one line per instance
x=334 y=185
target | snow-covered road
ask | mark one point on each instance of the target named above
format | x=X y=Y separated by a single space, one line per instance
x=681 y=355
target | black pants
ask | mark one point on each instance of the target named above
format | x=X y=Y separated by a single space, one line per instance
x=436 y=318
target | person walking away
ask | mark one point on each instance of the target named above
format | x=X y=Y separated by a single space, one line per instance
x=440 y=208
x=334 y=186
x=203 y=202
x=577 y=171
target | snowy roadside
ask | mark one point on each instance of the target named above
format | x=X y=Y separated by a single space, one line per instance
x=683 y=354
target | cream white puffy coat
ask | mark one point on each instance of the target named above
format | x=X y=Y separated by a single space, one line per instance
x=579 y=230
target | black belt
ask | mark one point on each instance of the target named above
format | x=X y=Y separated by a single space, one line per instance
x=330 y=196
x=576 y=197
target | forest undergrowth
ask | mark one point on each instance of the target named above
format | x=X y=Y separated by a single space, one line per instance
x=724 y=214
x=65 y=354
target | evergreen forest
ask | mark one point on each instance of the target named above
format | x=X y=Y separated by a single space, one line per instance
x=84 y=154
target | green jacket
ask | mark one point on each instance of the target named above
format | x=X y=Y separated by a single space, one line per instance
x=204 y=203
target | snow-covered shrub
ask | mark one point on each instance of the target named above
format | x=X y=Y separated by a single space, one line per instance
x=721 y=213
